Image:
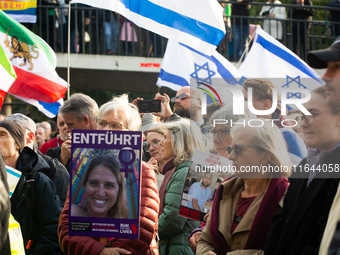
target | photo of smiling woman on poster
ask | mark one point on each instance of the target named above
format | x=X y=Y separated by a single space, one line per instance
x=104 y=190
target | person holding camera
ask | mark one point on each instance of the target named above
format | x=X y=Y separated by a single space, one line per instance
x=271 y=24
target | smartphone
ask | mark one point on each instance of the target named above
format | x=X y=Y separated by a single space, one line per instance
x=146 y=106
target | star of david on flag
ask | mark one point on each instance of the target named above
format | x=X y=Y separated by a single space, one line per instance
x=182 y=65
x=272 y=60
x=197 y=74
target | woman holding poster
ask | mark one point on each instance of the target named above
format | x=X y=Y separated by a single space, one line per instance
x=249 y=200
x=181 y=140
x=119 y=114
x=104 y=190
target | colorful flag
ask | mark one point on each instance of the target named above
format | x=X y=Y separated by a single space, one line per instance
x=20 y=10
x=49 y=109
x=7 y=75
x=34 y=63
x=182 y=63
x=197 y=23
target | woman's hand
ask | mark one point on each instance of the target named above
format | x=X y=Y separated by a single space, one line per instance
x=113 y=251
x=194 y=240
x=153 y=163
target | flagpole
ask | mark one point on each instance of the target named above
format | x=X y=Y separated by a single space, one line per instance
x=245 y=50
x=68 y=49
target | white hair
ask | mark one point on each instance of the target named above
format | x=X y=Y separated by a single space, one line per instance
x=121 y=106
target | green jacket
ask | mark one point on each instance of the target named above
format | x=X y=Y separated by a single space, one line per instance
x=174 y=230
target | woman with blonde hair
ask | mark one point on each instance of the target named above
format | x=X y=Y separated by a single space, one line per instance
x=154 y=137
x=249 y=199
x=182 y=138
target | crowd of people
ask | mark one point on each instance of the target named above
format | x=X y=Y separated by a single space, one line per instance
x=288 y=211
x=108 y=31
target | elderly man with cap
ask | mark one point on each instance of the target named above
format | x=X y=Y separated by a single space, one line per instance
x=330 y=58
x=56 y=172
x=34 y=203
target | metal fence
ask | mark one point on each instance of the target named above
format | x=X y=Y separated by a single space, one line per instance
x=89 y=31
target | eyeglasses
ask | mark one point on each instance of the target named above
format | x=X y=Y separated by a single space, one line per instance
x=182 y=96
x=154 y=143
x=221 y=133
x=101 y=124
x=309 y=119
x=238 y=148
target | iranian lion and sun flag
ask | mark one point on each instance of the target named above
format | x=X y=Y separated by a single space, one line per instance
x=34 y=62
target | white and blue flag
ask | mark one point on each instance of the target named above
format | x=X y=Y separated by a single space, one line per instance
x=197 y=23
x=49 y=109
x=270 y=59
x=183 y=64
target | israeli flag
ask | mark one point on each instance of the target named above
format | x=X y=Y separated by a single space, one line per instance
x=270 y=59
x=182 y=64
x=197 y=23
x=49 y=109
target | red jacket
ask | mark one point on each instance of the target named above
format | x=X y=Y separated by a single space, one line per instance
x=55 y=142
x=149 y=206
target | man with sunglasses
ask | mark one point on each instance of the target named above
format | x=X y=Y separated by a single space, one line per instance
x=262 y=100
x=187 y=104
x=79 y=112
x=330 y=58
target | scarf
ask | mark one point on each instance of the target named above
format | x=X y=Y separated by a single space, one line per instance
x=262 y=221
x=167 y=170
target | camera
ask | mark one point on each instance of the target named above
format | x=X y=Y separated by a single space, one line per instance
x=147 y=106
x=265 y=14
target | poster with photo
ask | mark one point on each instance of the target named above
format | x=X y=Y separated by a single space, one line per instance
x=105 y=183
x=205 y=174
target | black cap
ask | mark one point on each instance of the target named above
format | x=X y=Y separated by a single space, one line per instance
x=16 y=130
x=319 y=58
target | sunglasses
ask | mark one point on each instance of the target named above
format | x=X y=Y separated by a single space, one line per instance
x=238 y=148
x=182 y=96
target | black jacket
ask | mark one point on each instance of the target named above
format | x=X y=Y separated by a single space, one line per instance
x=59 y=175
x=299 y=227
x=40 y=223
x=55 y=153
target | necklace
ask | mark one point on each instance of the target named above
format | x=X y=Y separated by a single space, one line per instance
x=245 y=203
x=237 y=218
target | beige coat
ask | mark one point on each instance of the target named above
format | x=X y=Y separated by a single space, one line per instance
x=237 y=240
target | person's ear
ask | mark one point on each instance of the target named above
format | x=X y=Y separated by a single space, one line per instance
x=30 y=138
x=17 y=147
x=86 y=119
x=267 y=156
x=267 y=104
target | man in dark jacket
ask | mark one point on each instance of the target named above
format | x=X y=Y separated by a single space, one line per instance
x=34 y=203
x=56 y=172
x=330 y=58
